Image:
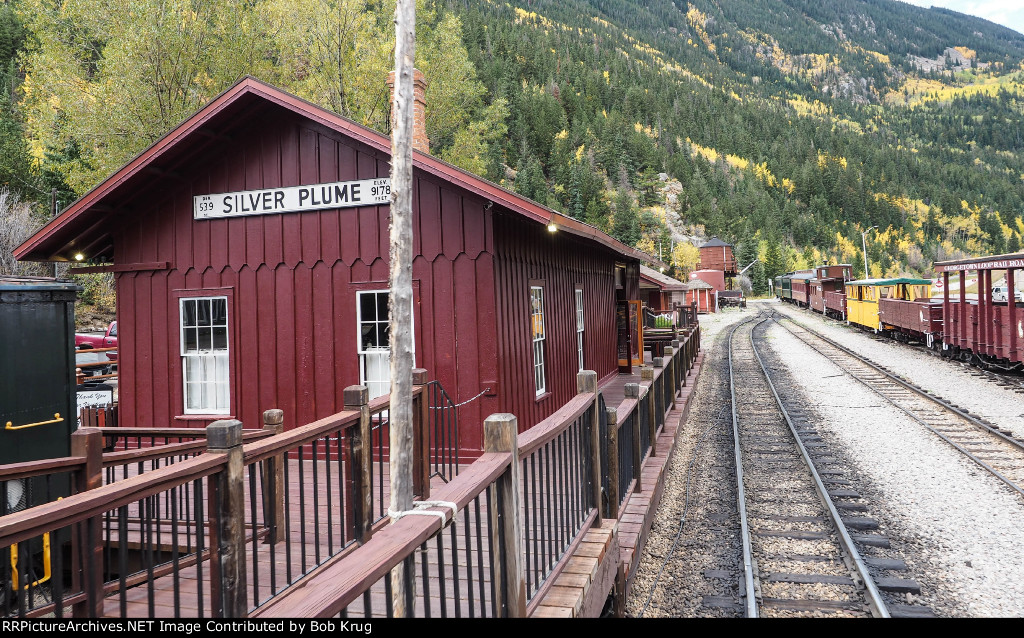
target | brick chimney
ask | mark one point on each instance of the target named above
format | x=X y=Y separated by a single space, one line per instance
x=420 y=142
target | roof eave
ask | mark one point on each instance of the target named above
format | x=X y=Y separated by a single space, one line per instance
x=29 y=250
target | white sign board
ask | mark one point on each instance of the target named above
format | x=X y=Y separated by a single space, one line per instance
x=93 y=398
x=293 y=199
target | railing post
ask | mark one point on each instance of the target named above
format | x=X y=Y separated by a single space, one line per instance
x=500 y=435
x=357 y=399
x=88 y=442
x=273 y=477
x=680 y=352
x=613 y=463
x=420 y=435
x=647 y=374
x=586 y=381
x=659 y=362
x=227 y=521
x=670 y=370
x=632 y=391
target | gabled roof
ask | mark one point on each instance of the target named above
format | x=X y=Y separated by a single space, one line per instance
x=663 y=281
x=715 y=241
x=698 y=284
x=82 y=225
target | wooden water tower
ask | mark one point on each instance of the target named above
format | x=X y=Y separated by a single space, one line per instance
x=717 y=255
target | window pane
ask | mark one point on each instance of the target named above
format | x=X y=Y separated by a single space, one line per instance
x=367 y=307
x=205 y=339
x=220 y=312
x=220 y=338
x=192 y=396
x=384 y=335
x=188 y=308
x=203 y=312
x=189 y=340
x=382 y=306
x=368 y=336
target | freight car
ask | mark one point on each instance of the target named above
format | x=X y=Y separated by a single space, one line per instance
x=983 y=330
x=971 y=327
x=801 y=284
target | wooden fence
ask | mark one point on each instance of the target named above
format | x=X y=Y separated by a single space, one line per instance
x=234 y=522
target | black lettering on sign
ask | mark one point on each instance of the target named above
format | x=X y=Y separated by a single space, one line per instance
x=303 y=195
x=227 y=203
x=356 y=195
x=340 y=193
x=278 y=199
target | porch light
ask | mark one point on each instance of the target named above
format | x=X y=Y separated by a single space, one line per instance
x=79 y=256
x=552 y=227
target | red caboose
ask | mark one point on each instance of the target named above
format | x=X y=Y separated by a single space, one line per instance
x=829 y=280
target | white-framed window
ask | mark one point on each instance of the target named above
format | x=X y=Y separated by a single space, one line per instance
x=204 y=354
x=374 y=345
x=537 y=328
x=579 y=326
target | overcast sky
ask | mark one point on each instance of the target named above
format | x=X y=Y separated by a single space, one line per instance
x=1009 y=13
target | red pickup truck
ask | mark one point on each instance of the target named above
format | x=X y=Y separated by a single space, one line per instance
x=107 y=340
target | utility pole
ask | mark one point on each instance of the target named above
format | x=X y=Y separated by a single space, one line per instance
x=400 y=297
x=53 y=215
x=864 y=247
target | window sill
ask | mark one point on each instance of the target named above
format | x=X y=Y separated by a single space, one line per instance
x=542 y=397
x=203 y=417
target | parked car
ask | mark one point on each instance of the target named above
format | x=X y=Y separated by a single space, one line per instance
x=107 y=340
x=1001 y=293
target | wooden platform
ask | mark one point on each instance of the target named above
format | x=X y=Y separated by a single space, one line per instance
x=582 y=588
x=581 y=591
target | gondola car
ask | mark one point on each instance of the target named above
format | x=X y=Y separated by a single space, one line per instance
x=866 y=298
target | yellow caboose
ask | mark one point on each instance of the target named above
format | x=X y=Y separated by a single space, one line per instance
x=862 y=297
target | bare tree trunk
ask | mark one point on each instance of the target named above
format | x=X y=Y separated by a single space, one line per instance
x=400 y=298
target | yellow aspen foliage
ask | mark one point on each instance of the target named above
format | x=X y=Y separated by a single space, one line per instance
x=685 y=256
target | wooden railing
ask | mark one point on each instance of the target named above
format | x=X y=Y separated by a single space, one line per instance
x=81 y=368
x=485 y=549
x=294 y=524
x=228 y=522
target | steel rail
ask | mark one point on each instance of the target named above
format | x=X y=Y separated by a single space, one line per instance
x=686 y=491
x=922 y=393
x=750 y=600
x=874 y=597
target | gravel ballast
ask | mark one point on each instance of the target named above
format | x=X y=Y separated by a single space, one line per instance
x=958 y=528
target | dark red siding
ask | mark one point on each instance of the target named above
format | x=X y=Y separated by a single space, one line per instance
x=527 y=252
x=292 y=281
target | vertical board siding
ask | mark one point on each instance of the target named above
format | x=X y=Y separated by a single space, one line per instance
x=525 y=252
x=293 y=280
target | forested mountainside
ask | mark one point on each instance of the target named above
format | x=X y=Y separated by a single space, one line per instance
x=788 y=127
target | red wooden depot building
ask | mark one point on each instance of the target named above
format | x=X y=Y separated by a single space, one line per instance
x=250 y=249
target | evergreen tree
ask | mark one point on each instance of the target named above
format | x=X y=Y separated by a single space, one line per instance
x=626 y=227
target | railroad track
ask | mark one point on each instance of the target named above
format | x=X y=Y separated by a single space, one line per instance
x=993 y=449
x=799 y=558
x=1010 y=380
